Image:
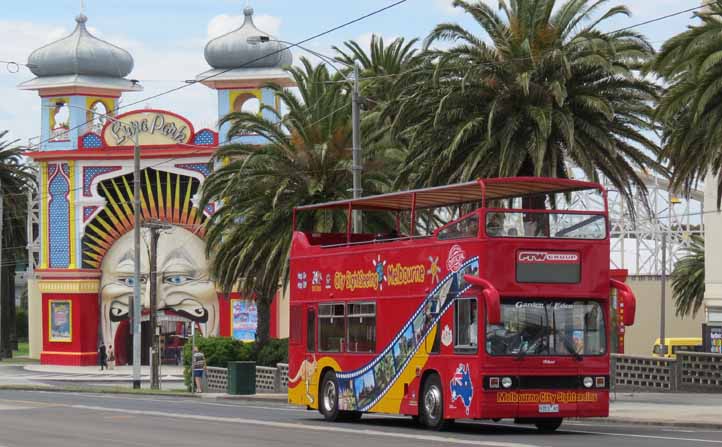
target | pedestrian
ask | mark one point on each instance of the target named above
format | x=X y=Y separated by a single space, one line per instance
x=199 y=368
x=102 y=356
x=111 y=358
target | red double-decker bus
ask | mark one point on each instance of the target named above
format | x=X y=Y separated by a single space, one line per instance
x=478 y=300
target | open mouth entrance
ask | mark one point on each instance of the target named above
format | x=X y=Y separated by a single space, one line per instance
x=175 y=331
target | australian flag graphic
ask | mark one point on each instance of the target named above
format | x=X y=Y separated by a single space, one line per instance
x=461 y=387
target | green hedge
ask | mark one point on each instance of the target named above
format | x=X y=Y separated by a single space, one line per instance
x=221 y=350
x=275 y=351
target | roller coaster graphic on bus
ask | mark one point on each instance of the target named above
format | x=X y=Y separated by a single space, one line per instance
x=362 y=388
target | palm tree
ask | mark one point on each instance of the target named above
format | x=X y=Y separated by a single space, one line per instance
x=16 y=178
x=306 y=160
x=380 y=66
x=688 y=279
x=545 y=91
x=691 y=107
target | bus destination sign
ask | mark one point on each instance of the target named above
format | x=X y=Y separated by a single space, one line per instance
x=559 y=267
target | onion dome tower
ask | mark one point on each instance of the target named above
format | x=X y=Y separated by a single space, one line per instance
x=74 y=74
x=243 y=61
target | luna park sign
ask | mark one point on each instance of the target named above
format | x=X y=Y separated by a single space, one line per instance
x=150 y=127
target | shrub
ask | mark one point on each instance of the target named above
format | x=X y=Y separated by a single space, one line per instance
x=218 y=352
x=275 y=351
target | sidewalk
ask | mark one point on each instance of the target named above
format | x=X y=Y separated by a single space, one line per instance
x=670 y=409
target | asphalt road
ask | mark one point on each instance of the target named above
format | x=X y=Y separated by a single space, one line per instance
x=60 y=419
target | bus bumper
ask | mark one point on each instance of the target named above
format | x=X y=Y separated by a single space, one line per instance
x=539 y=404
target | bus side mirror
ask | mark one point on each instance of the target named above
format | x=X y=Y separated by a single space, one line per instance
x=626 y=297
x=491 y=298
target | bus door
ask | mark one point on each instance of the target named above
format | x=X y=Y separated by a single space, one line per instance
x=463 y=371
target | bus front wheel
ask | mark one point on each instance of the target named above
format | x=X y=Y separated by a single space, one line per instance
x=548 y=426
x=329 y=397
x=432 y=404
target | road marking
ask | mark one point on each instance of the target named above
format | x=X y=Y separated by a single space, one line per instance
x=629 y=435
x=297 y=426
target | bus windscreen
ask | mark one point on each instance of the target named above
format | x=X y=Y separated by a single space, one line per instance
x=548 y=328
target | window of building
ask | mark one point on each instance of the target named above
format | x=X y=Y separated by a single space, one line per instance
x=59 y=121
x=97 y=117
x=466 y=329
x=310 y=330
x=331 y=327
x=361 y=327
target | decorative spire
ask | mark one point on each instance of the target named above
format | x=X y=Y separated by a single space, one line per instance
x=81 y=53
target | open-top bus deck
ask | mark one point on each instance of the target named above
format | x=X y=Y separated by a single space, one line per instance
x=502 y=312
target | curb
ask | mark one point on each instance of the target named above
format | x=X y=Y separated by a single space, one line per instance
x=98 y=390
x=249 y=398
x=146 y=392
x=657 y=423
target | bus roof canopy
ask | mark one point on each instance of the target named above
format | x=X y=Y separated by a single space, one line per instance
x=475 y=191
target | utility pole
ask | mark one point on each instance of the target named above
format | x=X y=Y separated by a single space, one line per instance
x=356 y=150
x=664 y=293
x=136 y=254
x=4 y=308
x=155 y=228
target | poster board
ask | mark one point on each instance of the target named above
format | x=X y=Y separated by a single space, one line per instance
x=60 y=317
x=244 y=320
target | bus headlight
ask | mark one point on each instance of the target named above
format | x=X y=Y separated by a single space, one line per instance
x=588 y=382
x=506 y=382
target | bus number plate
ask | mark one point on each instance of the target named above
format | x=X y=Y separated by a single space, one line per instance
x=549 y=408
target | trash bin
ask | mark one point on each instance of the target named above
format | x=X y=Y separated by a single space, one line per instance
x=242 y=378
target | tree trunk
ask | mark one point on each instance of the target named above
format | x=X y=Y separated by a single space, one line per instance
x=5 y=324
x=263 y=330
x=11 y=302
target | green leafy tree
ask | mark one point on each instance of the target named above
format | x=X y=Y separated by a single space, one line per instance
x=690 y=109
x=16 y=179
x=688 y=279
x=542 y=91
x=306 y=160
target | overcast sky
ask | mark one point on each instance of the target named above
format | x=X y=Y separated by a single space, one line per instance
x=167 y=37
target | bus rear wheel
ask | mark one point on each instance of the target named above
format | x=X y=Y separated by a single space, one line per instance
x=432 y=404
x=329 y=397
x=548 y=426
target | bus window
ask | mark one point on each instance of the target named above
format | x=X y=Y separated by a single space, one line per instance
x=564 y=327
x=331 y=327
x=361 y=327
x=465 y=326
x=295 y=331
x=545 y=225
x=465 y=228
x=310 y=330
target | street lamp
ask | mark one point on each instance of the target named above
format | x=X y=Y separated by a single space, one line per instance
x=356 y=167
x=136 y=243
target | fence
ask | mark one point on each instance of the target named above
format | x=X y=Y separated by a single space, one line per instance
x=690 y=371
x=700 y=371
x=268 y=379
x=216 y=380
x=643 y=373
